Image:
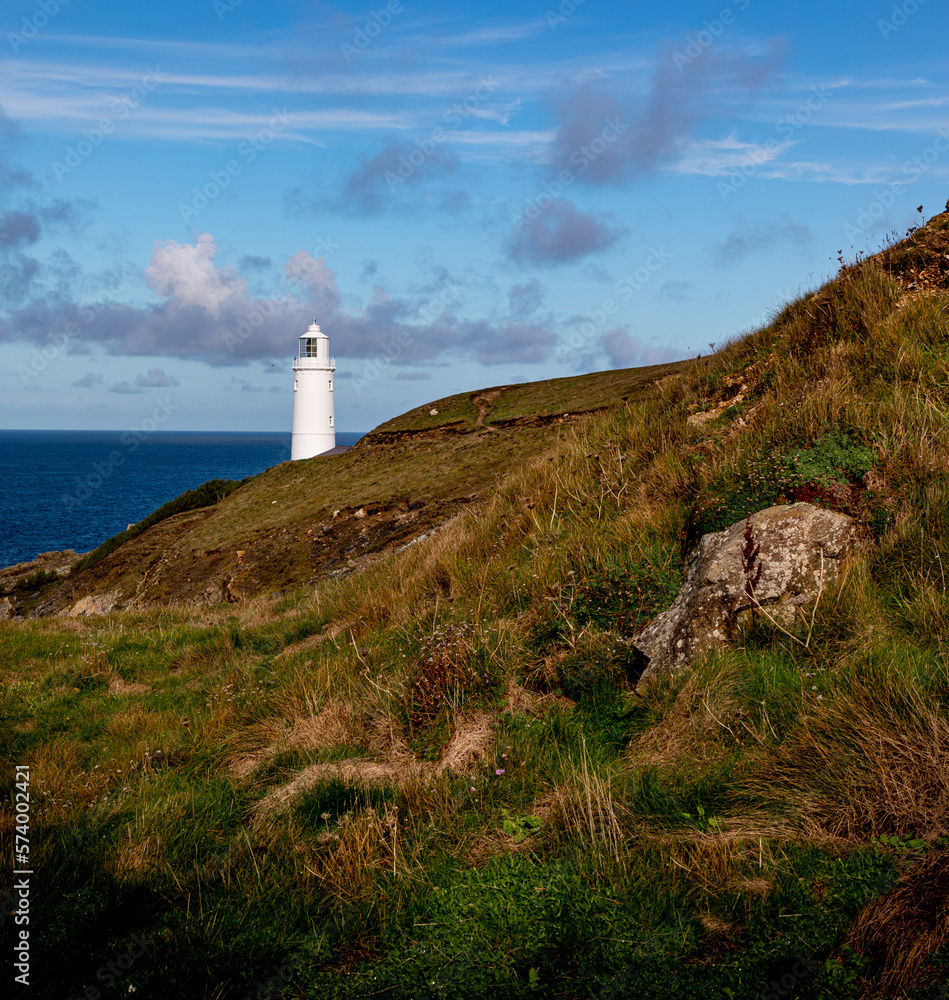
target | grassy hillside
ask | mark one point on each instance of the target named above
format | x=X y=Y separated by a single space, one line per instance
x=300 y=521
x=431 y=778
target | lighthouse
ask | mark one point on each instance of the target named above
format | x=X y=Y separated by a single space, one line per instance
x=314 y=430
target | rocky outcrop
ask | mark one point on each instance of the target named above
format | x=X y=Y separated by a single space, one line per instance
x=779 y=559
x=94 y=604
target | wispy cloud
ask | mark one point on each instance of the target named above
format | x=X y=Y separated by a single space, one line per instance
x=762 y=235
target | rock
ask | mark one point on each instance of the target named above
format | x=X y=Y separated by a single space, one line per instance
x=94 y=604
x=6 y=608
x=782 y=558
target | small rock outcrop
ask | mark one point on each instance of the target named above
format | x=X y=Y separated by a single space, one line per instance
x=94 y=604
x=779 y=558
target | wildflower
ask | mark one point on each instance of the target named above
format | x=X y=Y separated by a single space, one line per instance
x=499 y=771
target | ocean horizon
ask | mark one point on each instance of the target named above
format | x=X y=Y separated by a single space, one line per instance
x=62 y=489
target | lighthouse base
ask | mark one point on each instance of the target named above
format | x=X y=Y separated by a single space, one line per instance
x=310 y=445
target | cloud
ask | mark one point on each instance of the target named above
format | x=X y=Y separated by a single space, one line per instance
x=207 y=313
x=607 y=133
x=18 y=227
x=251 y=262
x=675 y=291
x=24 y=216
x=510 y=343
x=186 y=275
x=395 y=165
x=318 y=280
x=412 y=376
x=760 y=236
x=626 y=351
x=155 y=379
x=562 y=233
x=242 y=384
x=378 y=180
x=124 y=388
x=523 y=300
x=88 y=381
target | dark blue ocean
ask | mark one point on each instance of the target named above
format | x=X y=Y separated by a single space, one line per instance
x=74 y=489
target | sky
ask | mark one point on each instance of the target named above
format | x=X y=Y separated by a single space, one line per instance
x=460 y=196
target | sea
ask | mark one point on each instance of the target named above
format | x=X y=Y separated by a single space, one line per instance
x=74 y=489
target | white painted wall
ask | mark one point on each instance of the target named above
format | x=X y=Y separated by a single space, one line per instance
x=314 y=416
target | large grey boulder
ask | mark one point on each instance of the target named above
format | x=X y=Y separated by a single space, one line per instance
x=780 y=558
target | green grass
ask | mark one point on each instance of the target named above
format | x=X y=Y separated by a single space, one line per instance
x=713 y=834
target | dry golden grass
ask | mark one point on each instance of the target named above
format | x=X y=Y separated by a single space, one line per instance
x=118 y=686
x=137 y=857
x=693 y=723
x=395 y=765
x=582 y=807
x=348 y=862
x=901 y=928
x=870 y=765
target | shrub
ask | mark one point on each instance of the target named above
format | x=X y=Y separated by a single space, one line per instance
x=451 y=671
x=36 y=581
x=835 y=459
x=207 y=495
x=624 y=596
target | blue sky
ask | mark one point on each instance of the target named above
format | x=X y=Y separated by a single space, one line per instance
x=461 y=197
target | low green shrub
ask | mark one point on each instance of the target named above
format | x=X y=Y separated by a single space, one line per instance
x=207 y=495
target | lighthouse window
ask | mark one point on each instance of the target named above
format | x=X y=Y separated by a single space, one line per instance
x=296 y=384
x=309 y=347
x=331 y=385
x=331 y=421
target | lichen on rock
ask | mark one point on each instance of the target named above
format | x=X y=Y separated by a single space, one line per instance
x=779 y=559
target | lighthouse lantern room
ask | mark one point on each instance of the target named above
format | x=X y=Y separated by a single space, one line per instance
x=313 y=411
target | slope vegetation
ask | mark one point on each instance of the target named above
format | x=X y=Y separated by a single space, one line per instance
x=300 y=521
x=431 y=777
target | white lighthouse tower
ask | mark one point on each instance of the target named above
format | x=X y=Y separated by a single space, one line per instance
x=314 y=430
